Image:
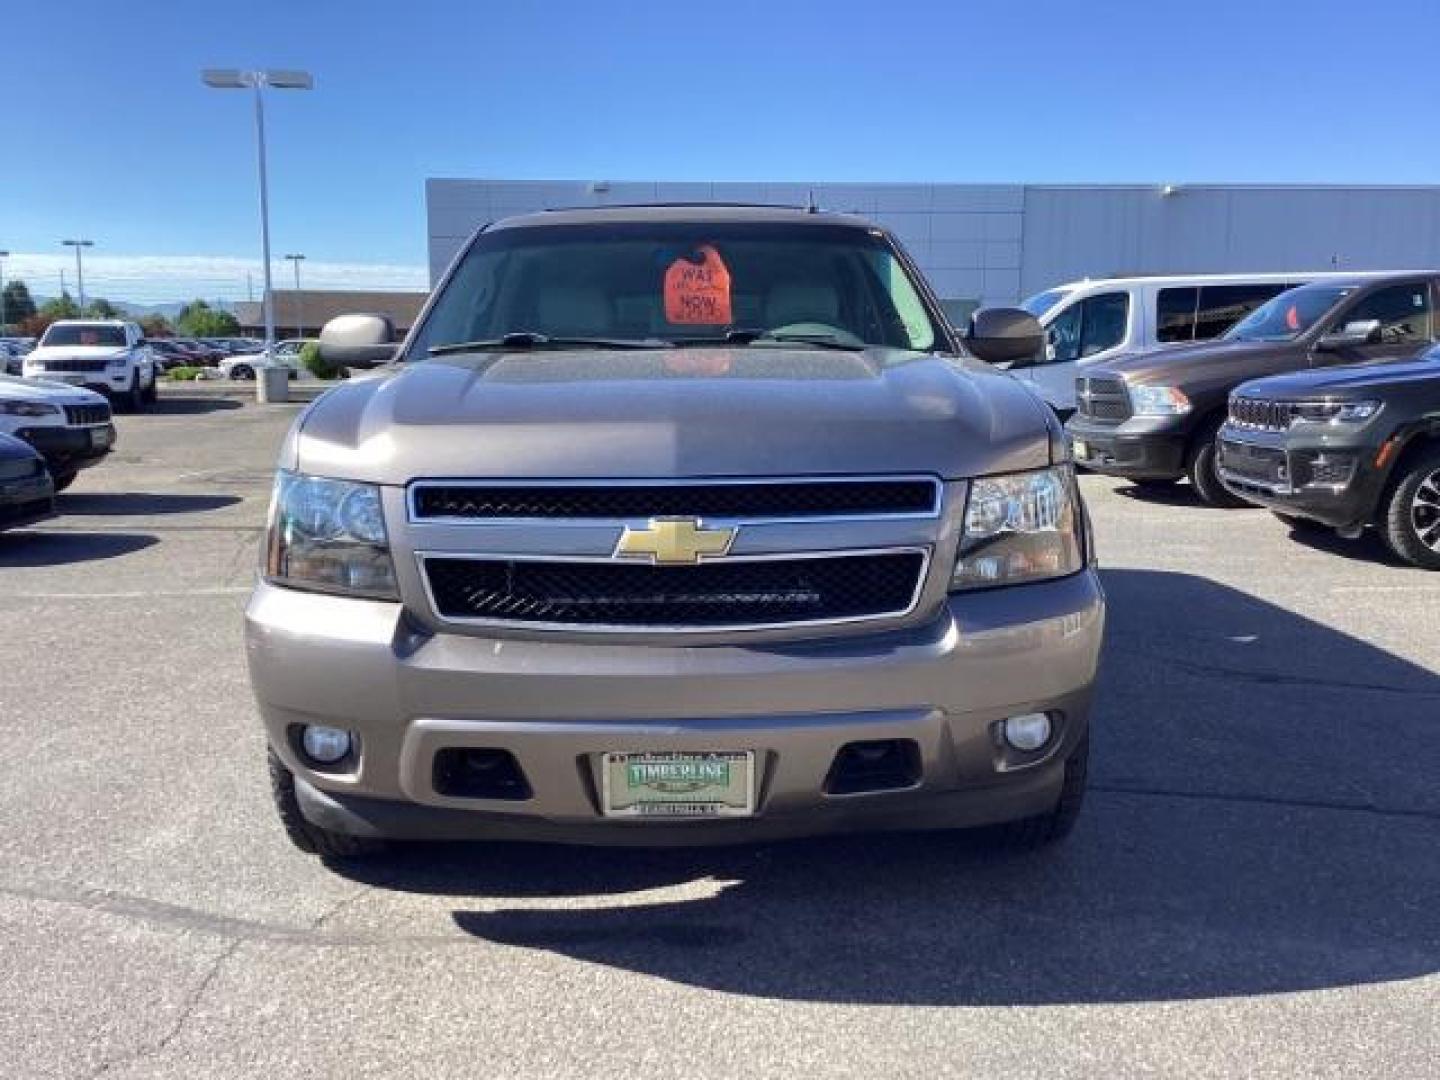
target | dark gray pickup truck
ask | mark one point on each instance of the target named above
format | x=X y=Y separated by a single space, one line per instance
x=1152 y=417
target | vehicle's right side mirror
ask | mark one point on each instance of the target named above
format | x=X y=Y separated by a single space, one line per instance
x=1001 y=335
x=358 y=341
x=1361 y=332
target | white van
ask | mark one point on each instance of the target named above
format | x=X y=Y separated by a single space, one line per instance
x=1088 y=322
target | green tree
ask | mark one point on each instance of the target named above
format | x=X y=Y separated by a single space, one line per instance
x=19 y=305
x=100 y=308
x=62 y=307
x=199 y=319
x=156 y=325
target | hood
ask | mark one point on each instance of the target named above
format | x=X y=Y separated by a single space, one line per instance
x=674 y=413
x=16 y=389
x=1350 y=381
x=45 y=352
x=1204 y=359
x=13 y=449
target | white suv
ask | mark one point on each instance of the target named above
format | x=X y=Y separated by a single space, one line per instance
x=69 y=427
x=102 y=354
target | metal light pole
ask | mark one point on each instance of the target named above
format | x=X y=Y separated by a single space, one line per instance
x=233 y=79
x=295 y=260
x=4 y=320
x=79 y=245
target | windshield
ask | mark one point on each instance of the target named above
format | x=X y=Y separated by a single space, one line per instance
x=659 y=283
x=1040 y=303
x=84 y=334
x=1290 y=314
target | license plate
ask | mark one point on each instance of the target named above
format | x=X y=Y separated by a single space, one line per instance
x=679 y=784
x=1080 y=448
x=100 y=438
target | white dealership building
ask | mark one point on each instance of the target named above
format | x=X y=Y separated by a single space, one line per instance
x=997 y=243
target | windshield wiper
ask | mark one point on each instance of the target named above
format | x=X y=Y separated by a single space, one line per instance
x=748 y=336
x=529 y=339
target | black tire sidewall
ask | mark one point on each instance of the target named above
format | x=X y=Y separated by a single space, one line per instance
x=1203 y=477
x=1396 y=525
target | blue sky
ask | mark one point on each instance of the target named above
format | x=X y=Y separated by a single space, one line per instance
x=108 y=132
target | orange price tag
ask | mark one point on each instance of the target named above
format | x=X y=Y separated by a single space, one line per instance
x=698 y=293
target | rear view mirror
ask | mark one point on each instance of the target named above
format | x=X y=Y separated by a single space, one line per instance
x=1364 y=332
x=358 y=341
x=1005 y=336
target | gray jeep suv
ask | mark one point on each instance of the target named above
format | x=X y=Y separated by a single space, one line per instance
x=676 y=525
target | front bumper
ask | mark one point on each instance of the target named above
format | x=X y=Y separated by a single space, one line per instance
x=24 y=502
x=557 y=706
x=67 y=448
x=1279 y=471
x=1141 y=448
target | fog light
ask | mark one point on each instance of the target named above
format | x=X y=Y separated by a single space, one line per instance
x=325 y=744
x=1028 y=732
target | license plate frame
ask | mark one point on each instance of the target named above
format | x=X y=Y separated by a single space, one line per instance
x=677 y=787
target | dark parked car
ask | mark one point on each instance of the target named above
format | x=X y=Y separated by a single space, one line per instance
x=168 y=354
x=1153 y=417
x=26 y=491
x=1347 y=447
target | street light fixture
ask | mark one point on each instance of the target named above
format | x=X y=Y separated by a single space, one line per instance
x=295 y=260
x=276 y=79
x=79 y=245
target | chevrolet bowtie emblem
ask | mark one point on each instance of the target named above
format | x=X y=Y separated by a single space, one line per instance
x=674 y=541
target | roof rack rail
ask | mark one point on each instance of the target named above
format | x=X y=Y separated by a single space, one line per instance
x=681 y=204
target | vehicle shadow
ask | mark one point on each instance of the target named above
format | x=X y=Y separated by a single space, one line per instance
x=1369 y=548
x=175 y=405
x=121 y=503
x=36 y=547
x=1262 y=819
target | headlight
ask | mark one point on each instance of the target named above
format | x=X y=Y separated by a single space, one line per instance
x=1158 y=401
x=1337 y=412
x=1018 y=528
x=27 y=408
x=329 y=535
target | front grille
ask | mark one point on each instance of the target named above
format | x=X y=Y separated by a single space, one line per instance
x=76 y=364
x=752 y=500
x=1259 y=463
x=1102 y=398
x=1261 y=415
x=735 y=593
x=87 y=415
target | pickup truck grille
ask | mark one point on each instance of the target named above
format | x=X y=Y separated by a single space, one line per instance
x=87 y=415
x=1102 y=398
x=749 y=593
x=89 y=366
x=1264 y=415
x=438 y=500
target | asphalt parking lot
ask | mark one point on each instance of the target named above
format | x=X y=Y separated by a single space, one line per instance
x=1253 y=890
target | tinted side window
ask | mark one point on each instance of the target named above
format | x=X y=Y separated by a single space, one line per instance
x=1105 y=320
x=1175 y=314
x=1222 y=306
x=1403 y=312
x=1088 y=327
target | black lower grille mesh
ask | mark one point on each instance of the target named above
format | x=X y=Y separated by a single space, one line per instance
x=720 y=594
x=816 y=498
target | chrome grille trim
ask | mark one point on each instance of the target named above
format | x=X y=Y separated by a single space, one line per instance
x=1259 y=414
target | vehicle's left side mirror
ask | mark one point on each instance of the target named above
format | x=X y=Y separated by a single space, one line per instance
x=1005 y=336
x=1361 y=332
x=358 y=341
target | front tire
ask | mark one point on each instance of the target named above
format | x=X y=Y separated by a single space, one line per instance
x=133 y=400
x=1031 y=833
x=63 y=480
x=1411 y=523
x=1201 y=468
x=308 y=837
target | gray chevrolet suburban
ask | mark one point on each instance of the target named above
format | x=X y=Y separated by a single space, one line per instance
x=676 y=525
